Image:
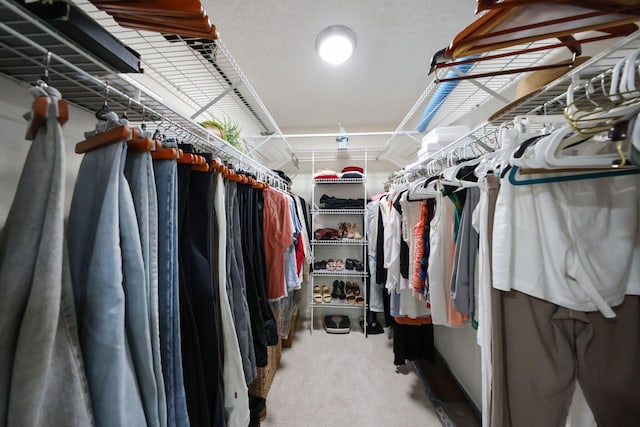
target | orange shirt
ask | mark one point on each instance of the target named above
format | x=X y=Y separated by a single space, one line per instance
x=278 y=235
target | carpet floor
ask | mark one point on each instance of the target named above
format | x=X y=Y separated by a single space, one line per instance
x=345 y=380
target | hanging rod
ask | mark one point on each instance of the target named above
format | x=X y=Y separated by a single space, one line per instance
x=81 y=80
x=331 y=134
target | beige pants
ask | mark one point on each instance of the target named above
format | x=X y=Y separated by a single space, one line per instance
x=544 y=348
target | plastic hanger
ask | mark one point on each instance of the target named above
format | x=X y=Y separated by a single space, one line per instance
x=564 y=138
x=574 y=177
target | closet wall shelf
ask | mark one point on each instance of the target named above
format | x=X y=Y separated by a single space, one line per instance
x=338 y=304
x=25 y=44
x=340 y=181
x=338 y=211
x=343 y=242
x=468 y=95
x=340 y=273
x=550 y=100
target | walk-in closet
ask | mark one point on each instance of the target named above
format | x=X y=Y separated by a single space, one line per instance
x=322 y=214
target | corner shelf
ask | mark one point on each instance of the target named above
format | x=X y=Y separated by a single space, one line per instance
x=343 y=242
x=319 y=211
x=340 y=273
x=338 y=304
x=340 y=181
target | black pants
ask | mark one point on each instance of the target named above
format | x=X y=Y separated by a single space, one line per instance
x=199 y=307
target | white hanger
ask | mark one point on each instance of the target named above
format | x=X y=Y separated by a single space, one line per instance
x=560 y=139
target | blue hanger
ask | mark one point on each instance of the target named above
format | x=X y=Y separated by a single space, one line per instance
x=565 y=178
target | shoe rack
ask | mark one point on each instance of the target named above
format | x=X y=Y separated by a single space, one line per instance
x=341 y=261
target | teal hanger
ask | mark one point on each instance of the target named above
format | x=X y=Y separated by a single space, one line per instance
x=565 y=178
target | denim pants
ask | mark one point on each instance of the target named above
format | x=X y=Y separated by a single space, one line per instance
x=236 y=396
x=42 y=377
x=107 y=271
x=201 y=345
x=139 y=173
x=237 y=283
x=166 y=181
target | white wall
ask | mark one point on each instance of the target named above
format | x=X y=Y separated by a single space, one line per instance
x=15 y=100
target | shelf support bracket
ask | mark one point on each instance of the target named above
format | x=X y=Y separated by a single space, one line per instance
x=215 y=100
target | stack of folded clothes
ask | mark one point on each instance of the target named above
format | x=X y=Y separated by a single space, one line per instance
x=352 y=172
x=326 y=174
x=329 y=202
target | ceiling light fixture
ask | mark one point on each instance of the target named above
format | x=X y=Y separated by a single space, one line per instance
x=336 y=44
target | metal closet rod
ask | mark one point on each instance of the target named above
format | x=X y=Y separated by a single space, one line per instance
x=227 y=152
x=330 y=134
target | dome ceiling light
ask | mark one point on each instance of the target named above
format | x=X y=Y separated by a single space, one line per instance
x=336 y=44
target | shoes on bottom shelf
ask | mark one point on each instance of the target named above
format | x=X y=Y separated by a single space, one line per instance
x=337 y=324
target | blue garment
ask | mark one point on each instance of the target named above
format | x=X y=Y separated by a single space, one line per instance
x=107 y=271
x=168 y=292
x=139 y=173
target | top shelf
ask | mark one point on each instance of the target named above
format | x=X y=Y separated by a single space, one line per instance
x=340 y=181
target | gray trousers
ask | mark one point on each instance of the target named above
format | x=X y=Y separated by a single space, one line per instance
x=42 y=377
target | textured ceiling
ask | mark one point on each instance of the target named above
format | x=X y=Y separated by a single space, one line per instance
x=273 y=41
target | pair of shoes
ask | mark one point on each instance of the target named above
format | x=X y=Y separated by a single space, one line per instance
x=320 y=265
x=321 y=293
x=350 y=291
x=339 y=265
x=331 y=265
x=353 y=264
x=349 y=230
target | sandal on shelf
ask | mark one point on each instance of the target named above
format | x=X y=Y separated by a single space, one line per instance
x=342 y=228
x=348 y=289
x=351 y=299
x=335 y=293
x=358 y=265
x=356 y=231
x=339 y=265
x=348 y=264
x=326 y=294
x=356 y=290
x=359 y=300
x=331 y=265
x=320 y=265
x=341 y=294
x=350 y=230
x=317 y=294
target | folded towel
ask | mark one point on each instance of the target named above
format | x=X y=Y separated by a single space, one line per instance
x=353 y=169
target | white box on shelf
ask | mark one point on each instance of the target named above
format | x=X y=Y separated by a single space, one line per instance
x=440 y=137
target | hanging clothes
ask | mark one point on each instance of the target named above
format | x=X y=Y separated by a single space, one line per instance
x=42 y=375
x=236 y=283
x=279 y=229
x=236 y=396
x=138 y=171
x=199 y=312
x=105 y=257
x=165 y=174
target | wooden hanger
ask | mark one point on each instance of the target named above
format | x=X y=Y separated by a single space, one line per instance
x=184 y=8
x=117 y=134
x=506 y=27
x=166 y=154
x=138 y=143
x=39 y=111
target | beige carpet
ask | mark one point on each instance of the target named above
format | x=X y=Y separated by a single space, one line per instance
x=328 y=380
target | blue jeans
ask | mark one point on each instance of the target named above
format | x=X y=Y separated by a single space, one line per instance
x=168 y=293
x=42 y=377
x=139 y=173
x=107 y=271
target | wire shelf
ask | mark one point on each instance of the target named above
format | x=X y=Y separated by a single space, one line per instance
x=343 y=242
x=340 y=181
x=338 y=211
x=340 y=273
x=338 y=304
x=25 y=43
